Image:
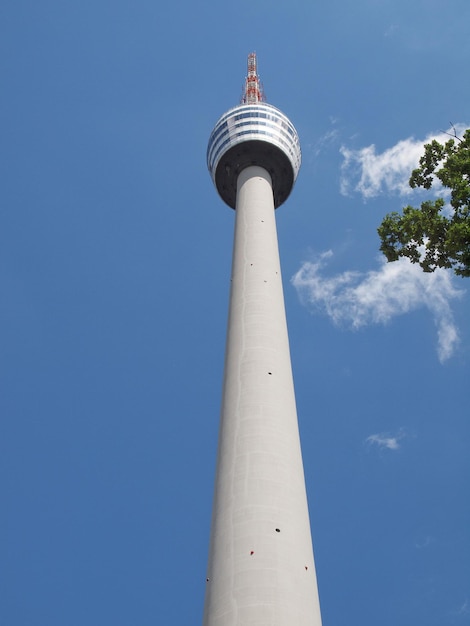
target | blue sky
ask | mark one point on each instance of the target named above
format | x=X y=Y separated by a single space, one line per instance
x=115 y=257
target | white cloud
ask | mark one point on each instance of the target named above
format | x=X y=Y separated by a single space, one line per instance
x=425 y=542
x=370 y=173
x=391 y=30
x=385 y=440
x=464 y=609
x=357 y=299
x=325 y=141
x=461 y=611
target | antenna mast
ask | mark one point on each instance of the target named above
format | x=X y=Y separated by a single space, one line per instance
x=253 y=89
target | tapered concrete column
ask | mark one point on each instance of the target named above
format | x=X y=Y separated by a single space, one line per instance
x=261 y=570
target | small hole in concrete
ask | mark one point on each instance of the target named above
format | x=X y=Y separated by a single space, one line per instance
x=278 y=530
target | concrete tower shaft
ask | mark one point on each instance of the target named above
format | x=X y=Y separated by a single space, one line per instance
x=261 y=568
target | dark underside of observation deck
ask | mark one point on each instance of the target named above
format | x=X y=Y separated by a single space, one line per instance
x=254 y=152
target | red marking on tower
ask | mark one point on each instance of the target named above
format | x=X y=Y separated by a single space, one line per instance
x=253 y=89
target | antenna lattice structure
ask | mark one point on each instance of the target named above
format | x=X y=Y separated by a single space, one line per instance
x=253 y=89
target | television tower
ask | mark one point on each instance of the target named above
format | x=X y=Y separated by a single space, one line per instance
x=261 y=570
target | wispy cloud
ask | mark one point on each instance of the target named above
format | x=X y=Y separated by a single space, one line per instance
x=425 y=542
x=370 y=173
x=391 y=30
x=461 y=611
x=356 y=299
x=325 y=141
x=385 y=440
x=464 y=609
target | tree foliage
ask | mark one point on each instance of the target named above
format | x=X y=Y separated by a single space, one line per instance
x=428 y=235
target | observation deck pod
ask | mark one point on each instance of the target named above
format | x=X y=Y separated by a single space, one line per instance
x=254 y=134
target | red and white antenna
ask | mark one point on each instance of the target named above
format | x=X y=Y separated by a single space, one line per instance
x=253 y=89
